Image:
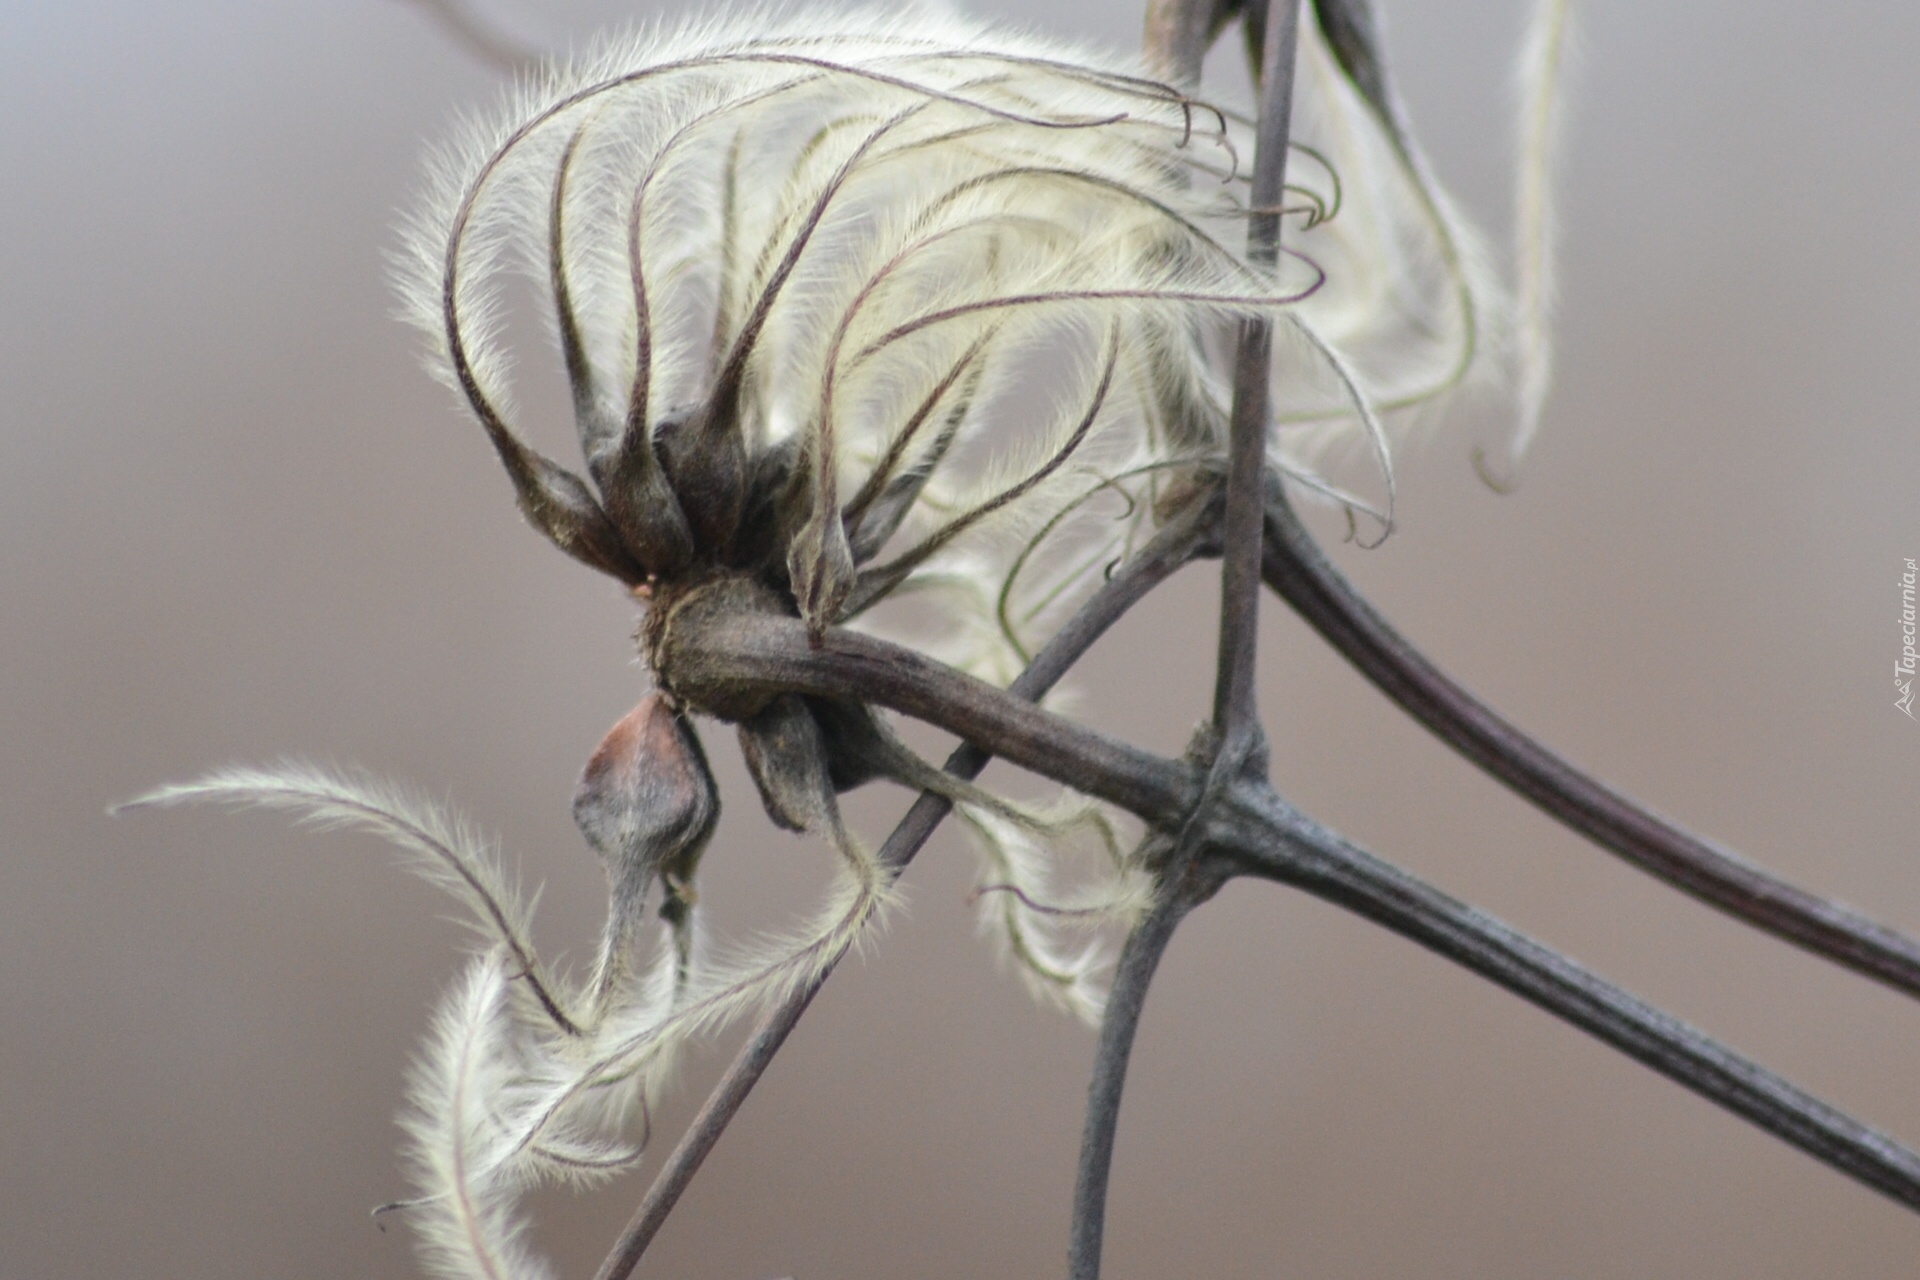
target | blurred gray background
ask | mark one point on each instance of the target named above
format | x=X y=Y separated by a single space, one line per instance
x=237 y=521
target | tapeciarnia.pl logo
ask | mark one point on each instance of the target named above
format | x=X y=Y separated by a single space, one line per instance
x=1904 y=667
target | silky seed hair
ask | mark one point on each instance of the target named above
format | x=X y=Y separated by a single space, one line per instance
x=1549 y=47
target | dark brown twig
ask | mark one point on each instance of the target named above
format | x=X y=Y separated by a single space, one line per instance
x=1310 y=857
x=1263 y=835
x=479 y=37
x=1132 y=975
x=724 y=654
x=1236 y=713
x=1238 y=742
x=1188 y=536
x=1298 y=571
x=1179 y=32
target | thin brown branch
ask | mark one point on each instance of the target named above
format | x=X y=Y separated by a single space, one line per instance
x=1239 y=746
x=1132 y=975
x=1178 y=34
x=715 y=1114
x=1294 y=849
x=1300 y=573
x=479 y=37
x=1236 y=714
x=719 y=659
x=1264 y=835
x=1353 y=37
x=1187 y=537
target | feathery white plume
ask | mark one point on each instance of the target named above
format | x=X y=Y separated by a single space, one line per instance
x=1043 y=927
x=1544 y=59
x=814 y=275
x=446 y=849
x=510 y=1092
x=461 y=1087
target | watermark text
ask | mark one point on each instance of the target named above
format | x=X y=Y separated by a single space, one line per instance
x=1903 y=669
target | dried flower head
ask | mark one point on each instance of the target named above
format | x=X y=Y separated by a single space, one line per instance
x=851 y=305
x=800 y=265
